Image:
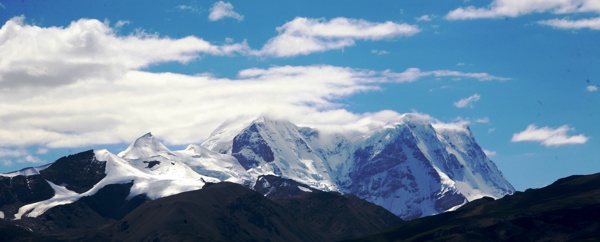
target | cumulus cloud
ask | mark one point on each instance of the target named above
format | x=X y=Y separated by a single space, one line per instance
x=303 y=36
x=467 y=102
x=591 y=23
x=221 y=10
x=85 y=49
x=591 y=88
x=52 y=101
x=514 y=8
x=549 y=136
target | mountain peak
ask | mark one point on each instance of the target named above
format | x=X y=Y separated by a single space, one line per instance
x=145 y=146
x=268 y=119
x=147 y=135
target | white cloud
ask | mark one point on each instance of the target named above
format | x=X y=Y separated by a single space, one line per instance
x=222 y=10
x=591 y=23
x=548 y=136
x=122 y=23
x=181 y=108
x=52 y=95
x=189 y=8
x=483 y=120
x=514 y=8
x=591 y=88
x=424 y=18
x=380 y=52
x=468 y=121
x=19 y=155
x=42 y=151
x=88 y=48
x=303 y=36
x=489 y=153
x=467 y=102
x=412 y=74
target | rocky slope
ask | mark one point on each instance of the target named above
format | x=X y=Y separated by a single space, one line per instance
x=567 y=210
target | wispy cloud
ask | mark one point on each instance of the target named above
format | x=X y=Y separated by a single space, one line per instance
x=424 y=18
x=591 y=23
x=514 y=8
x=413 y=74
x=470 y=121
x=303 y=36
x=189 y=8
x=467 y=102
x=42 y=151
x=549 y=136
x=591 y=88
x=221 y=10
x=19 y=155
x=489 y=153
x=483 y=120
x=380 y=52
x=122 y=23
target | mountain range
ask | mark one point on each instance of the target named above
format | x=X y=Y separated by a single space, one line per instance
x=413 y=168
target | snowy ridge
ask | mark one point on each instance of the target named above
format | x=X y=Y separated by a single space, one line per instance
x=29 y=171
x=276 y=147
x=213 y=164
x=414 y=167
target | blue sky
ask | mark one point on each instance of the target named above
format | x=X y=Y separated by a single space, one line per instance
x=76 y=75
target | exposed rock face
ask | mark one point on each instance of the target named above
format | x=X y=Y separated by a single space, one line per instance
x=78 y=172
x=19 y=190
x=413 y=168
x=250 y=148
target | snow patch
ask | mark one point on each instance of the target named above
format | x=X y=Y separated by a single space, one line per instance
x=304 y=189
x=61 y=196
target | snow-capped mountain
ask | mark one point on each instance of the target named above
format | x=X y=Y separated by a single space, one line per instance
x=413 y=167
